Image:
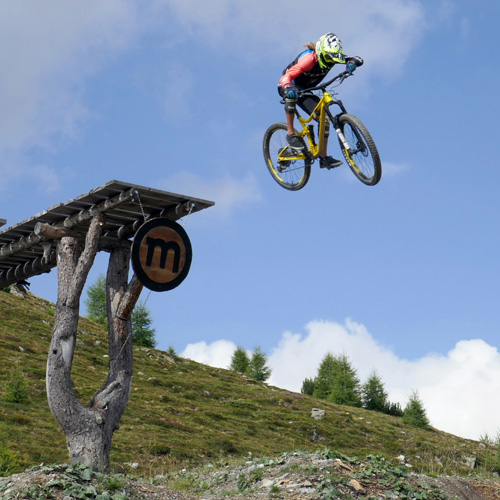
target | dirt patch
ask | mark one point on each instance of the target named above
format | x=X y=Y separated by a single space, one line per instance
x=291 y=476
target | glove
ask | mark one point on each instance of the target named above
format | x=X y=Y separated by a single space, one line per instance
x=353 y=63
x=290 y=93
x=351 y=67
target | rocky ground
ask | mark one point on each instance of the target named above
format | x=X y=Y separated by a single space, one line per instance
x=289 y=477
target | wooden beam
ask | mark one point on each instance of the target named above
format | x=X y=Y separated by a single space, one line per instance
x=48 y=232
x=3 y=222
x=46 y=263
x=179 y=211
x=27 y=270
x=27 y=242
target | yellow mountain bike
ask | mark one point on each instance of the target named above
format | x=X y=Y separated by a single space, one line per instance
x=291 y=168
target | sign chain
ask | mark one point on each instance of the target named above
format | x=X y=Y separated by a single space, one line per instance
x=190 y=211
x=138 y=196
x=112 y=365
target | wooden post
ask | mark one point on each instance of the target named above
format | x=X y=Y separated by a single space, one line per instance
x=89 y=429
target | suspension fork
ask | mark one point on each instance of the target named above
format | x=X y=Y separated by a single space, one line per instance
x=336 y=125
x=335 y=121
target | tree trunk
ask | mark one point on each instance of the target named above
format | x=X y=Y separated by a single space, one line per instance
x=89 y=430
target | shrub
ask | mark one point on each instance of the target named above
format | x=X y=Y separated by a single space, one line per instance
x=308 y=387
x=8 y=461
x=15 y=390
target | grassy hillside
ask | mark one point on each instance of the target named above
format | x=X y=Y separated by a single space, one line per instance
x=184 y=413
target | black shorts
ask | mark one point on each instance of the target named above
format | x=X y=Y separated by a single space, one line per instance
x=307 y=102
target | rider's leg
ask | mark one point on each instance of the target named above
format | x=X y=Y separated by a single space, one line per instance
x=293 y=140
x=290 y=104
x=289 y=123
x=324 y=160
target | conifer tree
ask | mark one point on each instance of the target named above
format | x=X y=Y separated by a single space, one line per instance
x=258 y=369
x=414 y=413
x=373 y=394
x=324 y=379
x=142 y=332
x=240 y=360
x=308 y=387
x=96 y=301
x=346 y=387
x=337 y=381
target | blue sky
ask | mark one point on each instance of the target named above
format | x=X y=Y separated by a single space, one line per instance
x=402 y=277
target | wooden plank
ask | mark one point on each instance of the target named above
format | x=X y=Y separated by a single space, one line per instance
x=22 y=251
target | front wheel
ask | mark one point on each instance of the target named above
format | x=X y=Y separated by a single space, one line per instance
x=292 y=173
x=359 y=150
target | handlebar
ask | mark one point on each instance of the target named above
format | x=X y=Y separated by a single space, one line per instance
x=341 y=76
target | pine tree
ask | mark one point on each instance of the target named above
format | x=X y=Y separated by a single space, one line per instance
x=142 y=333
x=346 y=387
x=257 y=369
x=414 y=413
x=373 y=394
x=96 y=301
x=324 y=379
x=240 y=360
x=308 y=387
x=337 y=381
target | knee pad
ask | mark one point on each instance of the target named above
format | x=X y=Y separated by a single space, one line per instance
x=290 y=105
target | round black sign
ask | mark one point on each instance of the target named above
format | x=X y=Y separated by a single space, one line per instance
x=161 y=254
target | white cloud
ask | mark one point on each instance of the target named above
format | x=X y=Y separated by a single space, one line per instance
x=216 y=354
x=47 y=49
x=459 y=389
x=228 y=193
x=15 y=172
x=383 y=32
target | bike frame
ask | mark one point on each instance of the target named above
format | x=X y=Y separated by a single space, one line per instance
x=320 y=113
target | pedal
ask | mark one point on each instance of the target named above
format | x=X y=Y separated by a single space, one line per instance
x=290 y=153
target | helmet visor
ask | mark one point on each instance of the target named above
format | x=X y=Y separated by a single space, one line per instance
x=334 y=57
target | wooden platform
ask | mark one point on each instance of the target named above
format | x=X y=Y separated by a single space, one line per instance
x=26 y=251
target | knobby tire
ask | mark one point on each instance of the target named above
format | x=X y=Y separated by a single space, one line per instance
x=364 y=159
x=292 y=174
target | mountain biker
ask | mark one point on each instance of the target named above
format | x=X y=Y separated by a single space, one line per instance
x=307 y=70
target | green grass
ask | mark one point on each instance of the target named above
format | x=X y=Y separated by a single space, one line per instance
x=182 y=413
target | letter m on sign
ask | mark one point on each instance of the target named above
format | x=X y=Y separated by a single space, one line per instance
x=165 y=247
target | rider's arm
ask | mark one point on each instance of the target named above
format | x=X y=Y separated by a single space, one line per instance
x=305 y=63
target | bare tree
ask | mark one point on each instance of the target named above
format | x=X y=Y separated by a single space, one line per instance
x=89 y=429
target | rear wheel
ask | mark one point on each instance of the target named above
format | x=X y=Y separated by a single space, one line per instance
x=291 y=174
x=360 y=153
